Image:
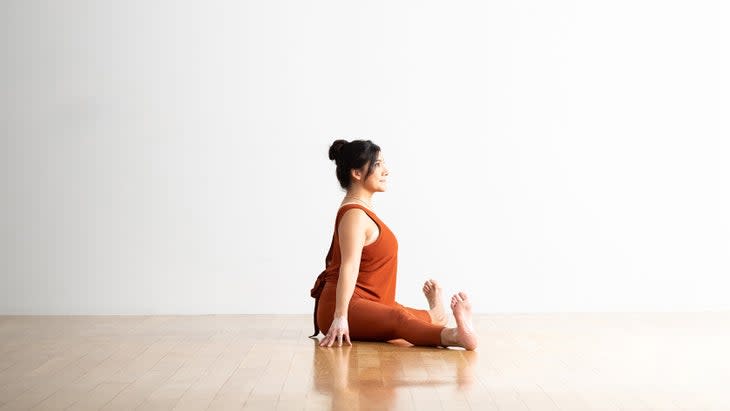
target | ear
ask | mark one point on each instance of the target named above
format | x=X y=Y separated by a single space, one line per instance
x=356 y=174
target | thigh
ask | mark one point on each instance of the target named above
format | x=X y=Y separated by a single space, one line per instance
x=373 y=321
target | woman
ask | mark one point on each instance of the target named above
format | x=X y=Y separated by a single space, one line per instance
x=356 y=291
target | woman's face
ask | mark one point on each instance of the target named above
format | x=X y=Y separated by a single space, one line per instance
x=377 y=181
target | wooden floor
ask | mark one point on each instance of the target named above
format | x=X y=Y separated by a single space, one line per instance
x=524 y=362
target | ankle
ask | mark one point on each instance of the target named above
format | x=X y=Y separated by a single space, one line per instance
x=449 y=337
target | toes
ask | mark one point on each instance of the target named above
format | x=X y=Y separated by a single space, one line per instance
x=463 y=296
x=431 y=286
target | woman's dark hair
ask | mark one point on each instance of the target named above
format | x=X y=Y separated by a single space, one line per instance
x=354 y=154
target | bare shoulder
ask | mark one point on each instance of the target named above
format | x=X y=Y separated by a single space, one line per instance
x=353 y=218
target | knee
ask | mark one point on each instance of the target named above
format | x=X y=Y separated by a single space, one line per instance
x=401 y=316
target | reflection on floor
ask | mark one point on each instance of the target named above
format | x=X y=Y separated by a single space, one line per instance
x=619 y=361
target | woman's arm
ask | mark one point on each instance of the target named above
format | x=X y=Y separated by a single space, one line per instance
x=352 y=232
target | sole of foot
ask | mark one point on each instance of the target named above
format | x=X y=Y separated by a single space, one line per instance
x=465 y=334
x=432 y=291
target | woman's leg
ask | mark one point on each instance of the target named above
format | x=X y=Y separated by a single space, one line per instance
x=422 y=315
x=373 y=321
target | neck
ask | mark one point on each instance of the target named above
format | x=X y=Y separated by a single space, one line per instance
x=362 y=194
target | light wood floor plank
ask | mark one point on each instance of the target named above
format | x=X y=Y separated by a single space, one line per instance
x=205 y=389
x=580 y=361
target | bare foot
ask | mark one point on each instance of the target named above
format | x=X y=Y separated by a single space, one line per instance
x=432 y=291
x=465 y=335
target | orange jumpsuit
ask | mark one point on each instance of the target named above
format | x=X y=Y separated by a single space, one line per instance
x=373 y=314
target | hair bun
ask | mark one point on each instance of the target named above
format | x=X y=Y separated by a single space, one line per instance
x=336 y=148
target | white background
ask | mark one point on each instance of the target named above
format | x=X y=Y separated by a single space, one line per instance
x=171 y=157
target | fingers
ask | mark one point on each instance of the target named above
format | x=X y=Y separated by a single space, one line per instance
x=325 y=340
x=339 y=336
x=329 y=339
x=333 y=338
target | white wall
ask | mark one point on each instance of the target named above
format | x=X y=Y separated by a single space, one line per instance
x=171 y=157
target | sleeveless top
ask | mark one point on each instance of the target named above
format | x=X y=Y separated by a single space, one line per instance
x=378 y=265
